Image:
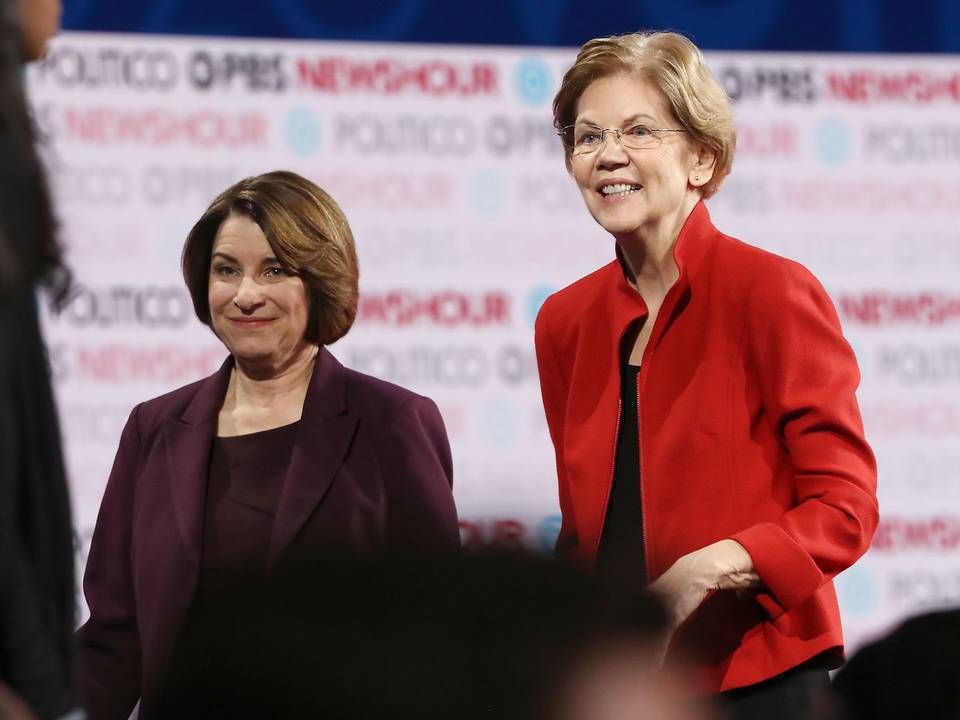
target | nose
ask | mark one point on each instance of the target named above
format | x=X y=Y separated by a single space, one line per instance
x=611 y=152
x=249 y=295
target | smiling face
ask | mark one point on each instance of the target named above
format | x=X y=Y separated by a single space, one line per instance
x=636 y=191
x=257 y=309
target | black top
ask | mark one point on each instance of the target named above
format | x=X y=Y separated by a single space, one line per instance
x=243 y=490
x=245 y=480
x=621 y=558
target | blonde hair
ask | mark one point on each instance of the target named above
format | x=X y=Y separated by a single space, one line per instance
x=675 y=66
x=306 y=230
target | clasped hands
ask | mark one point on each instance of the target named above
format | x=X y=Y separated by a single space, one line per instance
x=724 y=565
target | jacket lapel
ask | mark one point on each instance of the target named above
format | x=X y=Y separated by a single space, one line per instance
x=323 y=439
x=189 y=439
x=693 y=243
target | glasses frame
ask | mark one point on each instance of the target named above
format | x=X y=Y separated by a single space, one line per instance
x=603 y=137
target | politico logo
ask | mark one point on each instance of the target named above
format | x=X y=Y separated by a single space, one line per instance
x=914 y=589
x=446 y=365
x=409 y=134
x=126 y=305
x=899 y=142
x=117 y=185
x=511 y=136
x=912 y=364
x=69 y=66
x=436 y=78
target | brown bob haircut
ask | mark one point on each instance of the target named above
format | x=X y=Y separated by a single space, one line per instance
x=308 y=233
x=673 y=65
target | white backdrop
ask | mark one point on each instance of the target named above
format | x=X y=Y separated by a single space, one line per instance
x=446 y=164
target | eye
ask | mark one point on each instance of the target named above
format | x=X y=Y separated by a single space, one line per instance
x=224 y=271
x=275 y=271
x=587 y=136
x=639 y=131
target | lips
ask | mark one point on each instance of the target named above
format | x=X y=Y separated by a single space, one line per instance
x=251 y=323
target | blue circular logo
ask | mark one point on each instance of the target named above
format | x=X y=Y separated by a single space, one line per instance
x=500 y=422
x=535 y=300
x=301 y=129
x=857 y=591
x=489 y=192
x=834 y=141
x=534 y=81
x=547 y=532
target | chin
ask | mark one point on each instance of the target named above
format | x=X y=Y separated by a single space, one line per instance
x=617 y=225
x=252 y=354
x=616 y=221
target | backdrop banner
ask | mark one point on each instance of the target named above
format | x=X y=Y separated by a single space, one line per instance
x=446 y=163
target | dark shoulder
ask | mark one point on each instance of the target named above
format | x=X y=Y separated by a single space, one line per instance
x=372 y=397
x=153 y=412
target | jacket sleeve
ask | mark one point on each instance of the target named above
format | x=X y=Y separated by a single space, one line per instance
x=553 y=389
x=419 y=469
x=108 y=643
x=808 y=377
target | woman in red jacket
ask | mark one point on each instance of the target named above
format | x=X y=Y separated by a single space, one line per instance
x=699 y=392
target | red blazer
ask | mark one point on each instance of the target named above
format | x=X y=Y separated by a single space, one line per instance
x=371 y=467
x=749 y=429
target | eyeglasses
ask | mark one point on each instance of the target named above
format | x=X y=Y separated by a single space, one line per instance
x=585 y=139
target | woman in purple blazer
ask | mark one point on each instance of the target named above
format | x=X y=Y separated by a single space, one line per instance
x=283 y=453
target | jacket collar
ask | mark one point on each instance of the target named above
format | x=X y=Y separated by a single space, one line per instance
x=691 y=246
x=693 y=243
x=323 y=437
x=326 y=376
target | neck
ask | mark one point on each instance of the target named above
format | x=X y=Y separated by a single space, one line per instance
x=253 y=386
x=648 y=250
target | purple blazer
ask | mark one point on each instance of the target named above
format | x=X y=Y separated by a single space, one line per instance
x=370 y=469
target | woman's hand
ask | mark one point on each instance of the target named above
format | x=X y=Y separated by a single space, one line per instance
x=724 y=565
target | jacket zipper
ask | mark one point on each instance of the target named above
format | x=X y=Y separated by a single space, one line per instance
x=643 y=509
